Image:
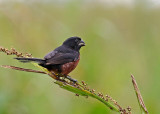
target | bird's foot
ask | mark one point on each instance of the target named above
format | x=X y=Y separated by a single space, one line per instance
x=71 y=79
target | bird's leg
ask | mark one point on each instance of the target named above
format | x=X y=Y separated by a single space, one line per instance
x=65 y=76
x=71 y=79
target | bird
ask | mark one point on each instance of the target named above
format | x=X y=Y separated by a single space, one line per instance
x=62 y=60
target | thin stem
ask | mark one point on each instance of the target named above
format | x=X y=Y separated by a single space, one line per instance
x=139 y=96
x=22 y=69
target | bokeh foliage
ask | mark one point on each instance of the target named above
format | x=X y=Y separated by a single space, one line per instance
x=120 y=40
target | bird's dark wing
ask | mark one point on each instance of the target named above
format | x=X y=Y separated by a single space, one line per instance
x=56 y=57
x=50 y=55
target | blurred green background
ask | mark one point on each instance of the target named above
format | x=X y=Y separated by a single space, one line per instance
x=120 y=40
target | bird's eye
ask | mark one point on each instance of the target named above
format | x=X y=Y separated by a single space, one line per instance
x=76 y=40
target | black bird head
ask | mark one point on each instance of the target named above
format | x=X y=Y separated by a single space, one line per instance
x=74 y=43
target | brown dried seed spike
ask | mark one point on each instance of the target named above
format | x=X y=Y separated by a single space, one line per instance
x=111 y=108
x=128 y=108
x=14 y=52
x=75 y=85
x=100 y=94
x=28 y=55
x=13 y=49
x=106 y=99
x=92 y=91
x=3 y=49
x=77 y=95
x=19 y=54
x=9 y=53
x=6 y=50
x=84 y=83
x=124 y=111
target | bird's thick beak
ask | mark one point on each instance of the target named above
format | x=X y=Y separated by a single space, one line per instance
x=81 y=43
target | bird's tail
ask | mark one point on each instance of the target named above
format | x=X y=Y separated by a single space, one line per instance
x=26 y=60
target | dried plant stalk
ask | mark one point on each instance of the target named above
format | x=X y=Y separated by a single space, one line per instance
x=139 y=96
x=13 y=51
x=22 y=69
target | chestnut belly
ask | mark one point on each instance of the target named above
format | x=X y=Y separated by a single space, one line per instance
x=68 y=67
